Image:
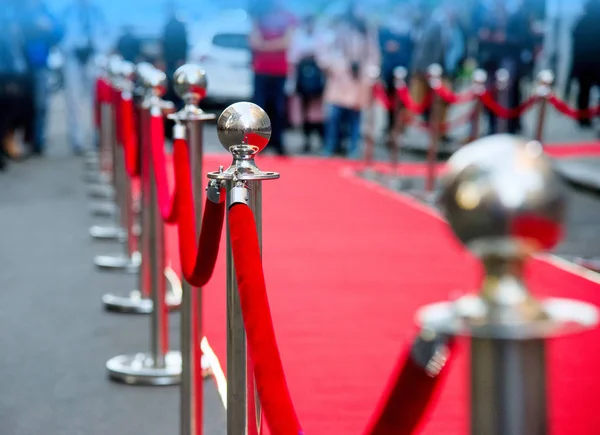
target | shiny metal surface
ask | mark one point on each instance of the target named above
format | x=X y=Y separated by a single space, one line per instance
x=503 y=86
x=108 y=232
x=129 y=264
x=103 y=209
x=190 y=83
x=501 y=196
x=101 y=191
x=133 y=303
x=244 y=124
x=140 y=369
x=156 y=80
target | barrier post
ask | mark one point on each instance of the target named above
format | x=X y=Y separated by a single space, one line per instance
x=92 y=157
x=543 y=90
x=436 y=125
x=479 y=80
x=244 y=130
x=508 y=327
x=130 y=259
x=190 y=84
x=371 y=125
x=503 y=88
x=108 y=144
x=160 y=366
x=396 y=130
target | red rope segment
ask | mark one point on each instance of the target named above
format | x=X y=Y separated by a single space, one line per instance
x=488 y=100
x=408 y=397
x=450 y=97
x=130 y=140
x=166 y=200
x=571 y=112
x=102 y=96
x=412 y=105
x=380 y=95
x=197 y=259
x=262 y=345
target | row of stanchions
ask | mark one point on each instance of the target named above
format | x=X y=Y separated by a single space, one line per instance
x=500 y=196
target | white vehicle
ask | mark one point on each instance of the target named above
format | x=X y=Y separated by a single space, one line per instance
x=222 y=50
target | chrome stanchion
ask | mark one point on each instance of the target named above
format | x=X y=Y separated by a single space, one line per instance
x=130 y=259
x=544 y=89
x=190 y=84
x=396 y=181
x=108 y=143
x=374 y=74
x=479 y=80
x=244 y=130
x=505 y=203
x=159 y=366
x=503 y=88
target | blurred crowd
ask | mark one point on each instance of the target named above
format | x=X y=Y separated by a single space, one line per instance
x=324 y=65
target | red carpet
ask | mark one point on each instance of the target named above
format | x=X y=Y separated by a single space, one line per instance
x=347 y=264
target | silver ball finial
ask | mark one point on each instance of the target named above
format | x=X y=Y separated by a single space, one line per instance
x=244 y=124
x=156 y=80
x=114 y=66
x=127 y=70
x=190 y=83
x=435 y=71
x=502 y=197
x=479 y=76
x=545 y=77
x=400 y=73
x=142 y=70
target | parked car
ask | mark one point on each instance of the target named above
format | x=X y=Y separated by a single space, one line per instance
x=224 y=53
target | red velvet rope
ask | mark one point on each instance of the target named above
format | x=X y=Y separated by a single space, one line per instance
x=380 y=95
x=197 y=259
x=571 y=112
x=407 y=399
x=262 y=345
x=488 y=100
x=412 y=105
x=450 y=97
x=130 y=140
x=166 y=201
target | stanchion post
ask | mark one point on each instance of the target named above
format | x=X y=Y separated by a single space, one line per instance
x=503 y=88
x=508 y=327
x=479 y=80
x=159 y=366
x=190 y=84
x=130 y=259
x=244 y=130
x=396 y=129
x=371 y=124
x=543 y=90
x=436 y=124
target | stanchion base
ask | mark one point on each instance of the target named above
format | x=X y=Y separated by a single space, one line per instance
x=102 y=191
x=108 y=233
x=104 y=209
x=139 y=369
x=118 y=262
x=135 y=303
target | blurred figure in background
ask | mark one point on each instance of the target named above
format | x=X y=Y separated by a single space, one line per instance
x=41 y=32
x=85 y=33
x=586 y=63
x=174 y=54
x=347 y=64
x=308 y=79
x=442 y=43
x=272 y=31
x=129 y=46
x=396 y=40
x=505 y=38
x=12 y=84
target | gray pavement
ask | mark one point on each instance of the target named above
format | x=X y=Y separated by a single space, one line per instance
x=54 y=335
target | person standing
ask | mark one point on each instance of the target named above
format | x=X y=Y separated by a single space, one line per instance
x=308 y=79
x=41 y=32
x=347 y=64
x=272 y=30
x=586 y=65
x=85 y=32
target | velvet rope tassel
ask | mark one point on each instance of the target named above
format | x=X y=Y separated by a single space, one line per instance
x=262 y=345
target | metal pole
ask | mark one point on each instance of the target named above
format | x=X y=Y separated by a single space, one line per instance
x=503 y=87
x=479 y=80
x=544 y=87
x=435 y=80
x=244 y=130
x=159 y=366
x=397 y=129
x=190 y=86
